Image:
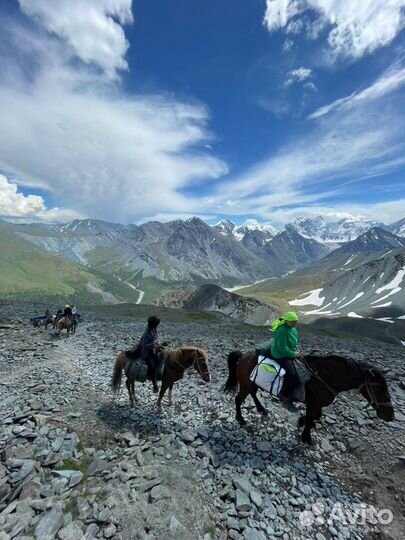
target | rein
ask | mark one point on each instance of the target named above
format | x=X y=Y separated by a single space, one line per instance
x=367 y=384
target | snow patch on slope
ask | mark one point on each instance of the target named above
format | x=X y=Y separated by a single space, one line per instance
x=313 y=299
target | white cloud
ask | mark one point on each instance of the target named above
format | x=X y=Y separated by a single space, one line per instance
x=92 y=28
x=310 y=86
x=288 y=45
x=14 y=204
x=295 y=26
x=338 y=154
x=386 y=212
x=298 y=75
x=388 y=82
x=103 y=152
x=357 y=26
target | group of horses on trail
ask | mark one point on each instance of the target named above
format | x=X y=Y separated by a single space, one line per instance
x=58 y=323
x=328 y=376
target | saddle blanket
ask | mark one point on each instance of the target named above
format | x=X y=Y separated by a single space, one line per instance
x=138 y=369
x=268 y=375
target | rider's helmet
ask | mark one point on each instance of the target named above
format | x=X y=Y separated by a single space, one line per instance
x=67 y=305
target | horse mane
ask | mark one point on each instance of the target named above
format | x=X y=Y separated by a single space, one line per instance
x=350 y=363
x=174 y=355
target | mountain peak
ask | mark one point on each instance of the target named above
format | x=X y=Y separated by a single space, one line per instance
x=375 y=239
x=225 y=227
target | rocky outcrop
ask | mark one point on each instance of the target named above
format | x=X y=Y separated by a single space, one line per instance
x=213 y=298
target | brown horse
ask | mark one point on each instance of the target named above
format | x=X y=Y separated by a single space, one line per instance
x=330 y=376
x=176 y=361
x=64 y=324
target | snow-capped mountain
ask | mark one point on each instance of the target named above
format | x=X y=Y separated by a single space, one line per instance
x=375 y=289
x=252 y=231
x=89 y=227
x=252 y=225
x=397 y=228
x=178 y=251
x=344 y=230
x=375 y=239
x=294 y=249
x=226 y=228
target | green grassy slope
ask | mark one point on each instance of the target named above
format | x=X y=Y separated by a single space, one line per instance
x=107 y=261
x=31 y=273
x=278 y=292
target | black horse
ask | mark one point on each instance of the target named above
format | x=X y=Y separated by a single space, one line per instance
x=330 y=376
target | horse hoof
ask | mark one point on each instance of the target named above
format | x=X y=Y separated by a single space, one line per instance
x=241 y=421
x=301 y=421
x=264 y=412
x=307 y=440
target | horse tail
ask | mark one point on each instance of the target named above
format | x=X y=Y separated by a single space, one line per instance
x=231 y=384
x=117 y=373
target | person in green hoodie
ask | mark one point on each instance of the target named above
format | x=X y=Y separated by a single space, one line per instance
x=284 y=348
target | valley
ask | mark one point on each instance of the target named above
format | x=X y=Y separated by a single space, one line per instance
x=323 y=270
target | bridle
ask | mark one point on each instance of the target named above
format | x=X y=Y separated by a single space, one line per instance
x=196 y=366
x=373 y=401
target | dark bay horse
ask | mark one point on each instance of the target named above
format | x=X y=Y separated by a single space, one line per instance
x=64 y=324
x=330 y=376
x=176 y=361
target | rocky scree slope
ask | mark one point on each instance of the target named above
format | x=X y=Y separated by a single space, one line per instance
x=75 y=464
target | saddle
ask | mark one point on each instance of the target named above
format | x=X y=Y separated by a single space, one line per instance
x=138 y=369
x=269 y=376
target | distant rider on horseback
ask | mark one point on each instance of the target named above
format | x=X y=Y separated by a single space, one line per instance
x=67 y=312
x=147 y=349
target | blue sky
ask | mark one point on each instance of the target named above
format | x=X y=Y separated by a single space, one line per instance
x=156 y=110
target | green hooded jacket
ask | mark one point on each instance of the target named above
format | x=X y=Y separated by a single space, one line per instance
x=285 y=342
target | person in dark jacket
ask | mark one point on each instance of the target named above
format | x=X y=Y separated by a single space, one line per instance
x=284 y=349
x=67 y=312
x=148 y=346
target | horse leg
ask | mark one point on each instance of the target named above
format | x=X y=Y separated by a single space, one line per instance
x=134 y=396
x=128 y=385
x=163 y=388
x=170 y=394
x=240 y=398
x=258 y=404
x=313 y=412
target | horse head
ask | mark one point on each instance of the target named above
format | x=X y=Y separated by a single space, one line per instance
x=201 y=365
x=375 y=390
